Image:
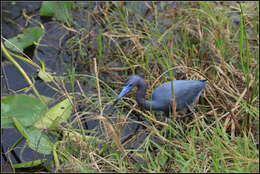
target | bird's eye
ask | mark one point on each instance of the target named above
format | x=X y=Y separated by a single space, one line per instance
x=130 y=85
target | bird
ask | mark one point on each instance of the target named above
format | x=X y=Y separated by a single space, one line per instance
x=186 y=92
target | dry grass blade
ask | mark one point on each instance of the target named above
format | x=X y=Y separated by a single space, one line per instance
x=154 y=130
x=98 y=86
x=111 y=132
x=91 y=154
x=174 y=113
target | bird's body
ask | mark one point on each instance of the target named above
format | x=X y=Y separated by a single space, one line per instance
x=185 y=92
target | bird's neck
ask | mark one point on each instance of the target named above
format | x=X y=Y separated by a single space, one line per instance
x=140 y=96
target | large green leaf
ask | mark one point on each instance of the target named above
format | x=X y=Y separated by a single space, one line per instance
x=29 y=164
x=35 y=138
x=56 y=115
x=26 y=109
x=38 y=141
x=60 y=10
x=26 y=39
x=48 y=8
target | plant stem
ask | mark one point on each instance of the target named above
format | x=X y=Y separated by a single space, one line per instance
x=9 y=57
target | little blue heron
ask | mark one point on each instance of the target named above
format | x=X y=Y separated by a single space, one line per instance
x=185 y=92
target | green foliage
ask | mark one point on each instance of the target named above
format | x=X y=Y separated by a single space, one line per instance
x=26 y=109
x=60 y=10
x=38 y=141
x=28 y=164
x=35 y=138
x=245 y=57
x=45 y=76
x=24 y=40
x=24 y=112
x=55 y=115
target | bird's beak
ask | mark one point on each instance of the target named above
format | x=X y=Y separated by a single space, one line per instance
x=124 y=91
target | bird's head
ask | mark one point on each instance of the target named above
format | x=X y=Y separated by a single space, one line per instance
x=130 y=83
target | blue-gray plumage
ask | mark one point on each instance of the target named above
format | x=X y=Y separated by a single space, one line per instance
x=185 y=92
